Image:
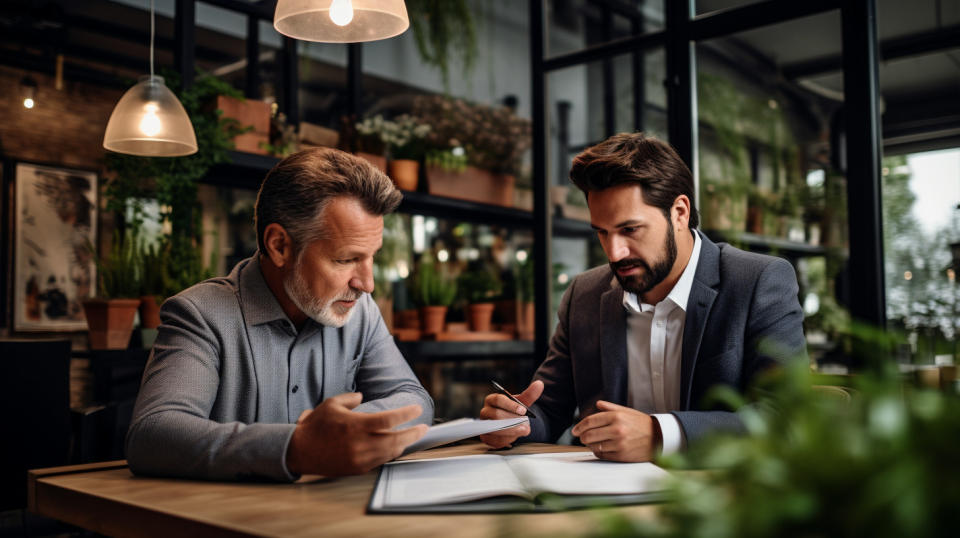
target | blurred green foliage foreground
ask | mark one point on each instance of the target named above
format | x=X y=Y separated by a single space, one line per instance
x=886 y=462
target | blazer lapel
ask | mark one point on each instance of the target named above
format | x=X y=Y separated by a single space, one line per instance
x=702 y=296
x=613 y=346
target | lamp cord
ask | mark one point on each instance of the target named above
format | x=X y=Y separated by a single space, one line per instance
x=153 y=17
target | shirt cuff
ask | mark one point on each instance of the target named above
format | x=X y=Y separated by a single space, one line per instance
x=673 y=439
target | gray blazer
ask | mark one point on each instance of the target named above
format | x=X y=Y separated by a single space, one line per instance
x=229 y=375
x=738 y=299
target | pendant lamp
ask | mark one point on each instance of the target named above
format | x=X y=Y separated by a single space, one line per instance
x=340 y=21
x=149 y=120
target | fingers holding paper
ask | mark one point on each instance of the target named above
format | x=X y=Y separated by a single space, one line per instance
x=618 y=433
x=498 y=406
x=334 y=440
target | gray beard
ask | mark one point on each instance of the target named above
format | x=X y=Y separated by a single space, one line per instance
x=324 y=313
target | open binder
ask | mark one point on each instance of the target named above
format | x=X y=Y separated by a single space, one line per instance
x=513 y=483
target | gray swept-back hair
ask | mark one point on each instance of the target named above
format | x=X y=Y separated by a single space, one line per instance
x=297 y=190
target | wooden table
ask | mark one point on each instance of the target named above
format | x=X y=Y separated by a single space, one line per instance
x=108 y=499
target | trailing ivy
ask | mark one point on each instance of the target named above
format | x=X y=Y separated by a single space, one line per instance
x=444 y=29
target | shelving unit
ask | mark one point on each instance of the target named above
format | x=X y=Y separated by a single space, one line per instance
x=247 y=170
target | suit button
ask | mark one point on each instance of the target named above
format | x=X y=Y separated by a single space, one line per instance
x=295 y=389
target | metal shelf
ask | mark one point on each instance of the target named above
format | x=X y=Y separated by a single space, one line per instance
x=761 y=243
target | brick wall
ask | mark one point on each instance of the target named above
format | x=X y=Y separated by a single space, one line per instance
x=64 y=128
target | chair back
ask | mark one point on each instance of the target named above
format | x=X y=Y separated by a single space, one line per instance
x=35 y=402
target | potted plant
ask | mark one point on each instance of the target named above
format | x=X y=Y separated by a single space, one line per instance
x=151 y=291
x=479 y=286
x=525 y=311
x=110 y=316
x=369 y=141
x=434 y=293
x=404 y=137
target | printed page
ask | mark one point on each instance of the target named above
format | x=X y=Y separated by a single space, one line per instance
x=463 y=428
x=447 y=480
x=581 y=473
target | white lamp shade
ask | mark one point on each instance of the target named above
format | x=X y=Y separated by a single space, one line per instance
x=150 y=121
x=310 y=20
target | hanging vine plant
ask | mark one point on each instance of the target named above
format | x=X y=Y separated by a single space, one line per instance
x=444 y=30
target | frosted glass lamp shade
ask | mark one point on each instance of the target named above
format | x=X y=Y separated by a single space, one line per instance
x=341 y=21
x=150 y=121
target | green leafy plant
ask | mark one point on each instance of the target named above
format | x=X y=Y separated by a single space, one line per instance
x=172 y=181
x=152 y=264
x=452 y=160
x=478 y=285
x=369 y=137
x=183 y=265
x=524 y=278
x=404 y=137
x=433 y=287
x=444 y=30
x=283 y=137
x=881 y=463
x=119 y=271
x=494 y=138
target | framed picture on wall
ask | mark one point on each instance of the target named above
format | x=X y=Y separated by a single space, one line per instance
x=54 y=270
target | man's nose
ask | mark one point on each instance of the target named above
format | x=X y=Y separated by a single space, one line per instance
x=616 y=248
x=363 y=277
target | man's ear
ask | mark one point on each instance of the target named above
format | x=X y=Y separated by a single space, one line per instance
x=278 y=244
x=681 y=212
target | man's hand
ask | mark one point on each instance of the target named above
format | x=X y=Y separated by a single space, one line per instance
x=497 y=406
x=618 y=433
x=332 y=440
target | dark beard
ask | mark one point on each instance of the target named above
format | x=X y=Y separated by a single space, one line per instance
x=648 y=277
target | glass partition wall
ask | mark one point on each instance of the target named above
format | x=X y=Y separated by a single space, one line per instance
x=737 y=88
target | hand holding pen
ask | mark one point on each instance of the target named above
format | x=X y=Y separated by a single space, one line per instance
x=502 y=405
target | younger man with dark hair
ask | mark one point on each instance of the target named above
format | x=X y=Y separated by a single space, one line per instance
x=678 y=314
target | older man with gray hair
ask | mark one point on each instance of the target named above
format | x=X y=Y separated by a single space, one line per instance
x=285 y=367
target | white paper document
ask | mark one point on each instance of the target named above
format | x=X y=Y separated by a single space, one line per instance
x=463 y=428
x=480 y=482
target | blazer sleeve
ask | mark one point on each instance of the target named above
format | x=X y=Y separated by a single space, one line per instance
x=555 y=407
x=383 y=375
x=171 y=433
x=772 y=336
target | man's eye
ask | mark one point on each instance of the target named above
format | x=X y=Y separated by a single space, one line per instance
x=629 y=230
x=345 y=262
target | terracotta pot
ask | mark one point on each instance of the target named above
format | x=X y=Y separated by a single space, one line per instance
x=249 y=113
x=432 y=319
x=472 y=184
x=410 y=319
x=377 y=160
x=110 y=322
x=404 y=173
x=149 y=311
x=386 y=311
x=479 y=316
x=525 y=322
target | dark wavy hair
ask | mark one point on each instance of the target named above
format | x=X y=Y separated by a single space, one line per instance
x=639 y=159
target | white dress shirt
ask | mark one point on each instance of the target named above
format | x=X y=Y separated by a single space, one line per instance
x=654 y=348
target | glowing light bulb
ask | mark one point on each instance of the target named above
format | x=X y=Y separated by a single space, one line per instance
x=341 y=12
x=28 y=103
x=150 y=123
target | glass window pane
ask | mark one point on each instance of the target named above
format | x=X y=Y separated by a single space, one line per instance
x=921 y=239
x=573 y=25
x=581 y=101
x=770 y=179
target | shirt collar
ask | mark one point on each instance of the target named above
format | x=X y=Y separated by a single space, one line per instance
x=681 y=290
x=256 y=299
